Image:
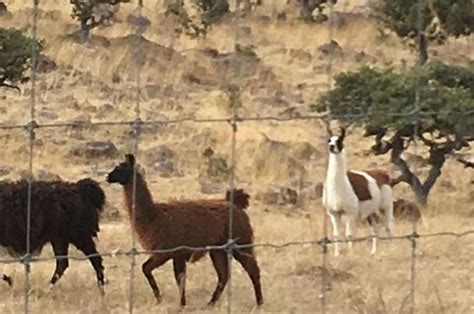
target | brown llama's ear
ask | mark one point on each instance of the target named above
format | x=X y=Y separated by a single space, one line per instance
x=130 y=159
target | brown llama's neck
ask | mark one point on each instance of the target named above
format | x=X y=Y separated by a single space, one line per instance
x=143 y=200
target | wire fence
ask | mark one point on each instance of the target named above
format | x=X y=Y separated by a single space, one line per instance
x=233 y=120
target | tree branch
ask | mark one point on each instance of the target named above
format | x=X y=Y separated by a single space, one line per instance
x=466 y=163
x=6 y=85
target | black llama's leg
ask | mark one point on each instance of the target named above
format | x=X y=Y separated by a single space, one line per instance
x=179 y=267
x=5 y=277
x=8 y=280
x=87 y=246
x=246 y=258
x=60 y=248
x=220 y=262
x=153 y=262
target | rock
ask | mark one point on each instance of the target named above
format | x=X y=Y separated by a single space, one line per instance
x=96 y=149
x=111 y=213
x=331 y=48
x=165 y=169
x=45 y=175
x=45 y=64
x=278 y=195
x=281 y=16
x=404 y=209
x=49 y=115
x=309 y=192
x=152 y=91
x=447 y=185
x=81 y=120
x=163 y=153
x=42 y=175
x=301 y=55
x=415 y=161
x=208 y=187
x=4 y=170
x=140 y=21
x=243 y=31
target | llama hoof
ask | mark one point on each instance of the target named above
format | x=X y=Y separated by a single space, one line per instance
x=159 y=299
x=50 y=288
x=8 y=280
x=102 y=290
x=259 y=303
x=211 y=303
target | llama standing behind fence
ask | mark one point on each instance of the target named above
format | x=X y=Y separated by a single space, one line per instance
x=62 y=213
x=348 y=195
x=192 y=223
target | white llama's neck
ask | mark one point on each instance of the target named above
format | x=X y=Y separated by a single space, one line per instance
x=337 y=167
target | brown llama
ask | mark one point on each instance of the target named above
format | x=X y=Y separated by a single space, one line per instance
x=191 y=223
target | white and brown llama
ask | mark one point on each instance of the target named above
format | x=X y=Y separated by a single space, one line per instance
x=349 y=195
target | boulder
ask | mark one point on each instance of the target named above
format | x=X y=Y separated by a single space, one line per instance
x=278 y=195
x=4 y=170
x=408 y=210
x=96 y=149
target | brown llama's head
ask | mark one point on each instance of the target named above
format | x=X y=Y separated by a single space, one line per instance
x=336 y=142
x=123 y=172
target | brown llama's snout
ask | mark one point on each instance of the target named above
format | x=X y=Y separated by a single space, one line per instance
x=123 y=172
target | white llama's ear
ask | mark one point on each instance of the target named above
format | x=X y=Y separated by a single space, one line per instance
x=343 y=133
x=328 y=129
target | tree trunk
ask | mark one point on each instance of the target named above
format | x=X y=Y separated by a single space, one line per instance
x=307 y=7
x=85 y=31
x=423 y=48
x=436 y=159
x=421 y=195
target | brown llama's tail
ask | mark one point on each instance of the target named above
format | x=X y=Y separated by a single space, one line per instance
x=241 y=198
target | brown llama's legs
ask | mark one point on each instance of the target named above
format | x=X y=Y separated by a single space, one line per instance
x=220 y=262
x=60 y=248
x=87 y=246
x=246 y=258
x=153 y=262
x=179 y=267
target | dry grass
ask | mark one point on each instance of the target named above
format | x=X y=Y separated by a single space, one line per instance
x=291 y=276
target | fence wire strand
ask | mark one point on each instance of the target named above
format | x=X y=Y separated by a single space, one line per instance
x=234 y=119
x=324 y=241
x=418 y=65
x=31 y=137
x=136 y=127
x=327 y=241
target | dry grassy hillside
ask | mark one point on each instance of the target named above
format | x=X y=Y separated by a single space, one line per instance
x=184 y=77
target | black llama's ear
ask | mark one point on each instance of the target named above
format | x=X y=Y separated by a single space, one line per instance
x=130 y=159
x=343 y=133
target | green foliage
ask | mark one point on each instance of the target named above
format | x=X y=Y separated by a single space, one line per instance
x=454 y=17
x=92 y=13
x=307 y=8
x=386 y=99
x=196 y=18
x=15 y=56
x=433 y=104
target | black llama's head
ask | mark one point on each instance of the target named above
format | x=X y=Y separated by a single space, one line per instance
x=123 y=172
x=336 y=142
